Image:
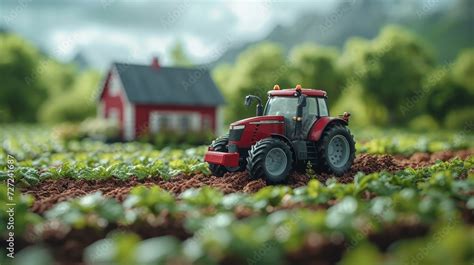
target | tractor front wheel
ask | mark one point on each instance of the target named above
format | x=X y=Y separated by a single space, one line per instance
x=336 y=150
x=270 y=159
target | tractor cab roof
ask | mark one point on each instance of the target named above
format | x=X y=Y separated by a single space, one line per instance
x=291 y=92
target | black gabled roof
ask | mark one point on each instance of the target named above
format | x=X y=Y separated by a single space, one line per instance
x=168 y=85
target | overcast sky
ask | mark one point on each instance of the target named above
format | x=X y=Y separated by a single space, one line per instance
x=133 y=31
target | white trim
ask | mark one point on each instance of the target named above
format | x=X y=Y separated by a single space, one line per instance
x=129 y=121
x=115 y=85
x=219 y=121
x=115 y=72
x=266 y=122
x=128 y=109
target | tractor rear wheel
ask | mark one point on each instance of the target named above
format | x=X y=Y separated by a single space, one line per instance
x=270 y=159
x=336 y=150
x=219 y=145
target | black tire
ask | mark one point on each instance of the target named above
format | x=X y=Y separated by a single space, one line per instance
x=301 y=166
x=219 y=145
x=329 y=162
x=258 y=155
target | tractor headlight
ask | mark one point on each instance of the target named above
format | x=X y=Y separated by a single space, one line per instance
x=238 y=127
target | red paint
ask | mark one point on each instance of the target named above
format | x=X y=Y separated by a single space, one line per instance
x=258 y=119
x=142 y=111
x=256 y=129
x=155 y=63
x=220 y=158
x=319 y=126
x=291 y=92
x=113 y=102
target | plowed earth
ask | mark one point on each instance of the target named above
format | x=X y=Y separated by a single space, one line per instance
x=49 y=192
x=67 y=245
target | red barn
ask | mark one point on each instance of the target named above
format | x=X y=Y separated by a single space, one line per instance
x=144 y=99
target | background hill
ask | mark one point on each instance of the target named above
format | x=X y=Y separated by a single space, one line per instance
x=447 y=28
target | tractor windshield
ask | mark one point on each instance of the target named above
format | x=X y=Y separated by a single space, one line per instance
x=284 y=106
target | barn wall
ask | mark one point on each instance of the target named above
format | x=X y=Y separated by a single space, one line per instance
x=111 y=102
x=142 y=114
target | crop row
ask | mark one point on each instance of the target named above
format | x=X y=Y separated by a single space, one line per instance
x=279 y=241
x=30 y=143
x=273 y=225
x=41 y=157
x=102 y=165
x=453 y=178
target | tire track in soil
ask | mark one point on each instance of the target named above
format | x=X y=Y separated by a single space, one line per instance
x=50 y=192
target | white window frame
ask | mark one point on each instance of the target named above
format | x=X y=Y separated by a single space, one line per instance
x=129 y=121
x=175 y=120
x=154 y=122
x=196 y=121
x=207 y=122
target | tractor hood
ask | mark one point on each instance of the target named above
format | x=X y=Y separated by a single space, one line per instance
x=259 y=120
x=246 y=132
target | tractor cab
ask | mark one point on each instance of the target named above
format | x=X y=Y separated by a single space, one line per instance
x=287 y=103
x=294 y=128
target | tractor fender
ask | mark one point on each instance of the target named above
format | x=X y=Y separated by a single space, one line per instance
x=286 y=140
x=321 y=124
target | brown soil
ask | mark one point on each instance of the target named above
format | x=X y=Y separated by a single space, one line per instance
x=68 y=244
x=49 y=192
x=319 y=250
x=395 y=232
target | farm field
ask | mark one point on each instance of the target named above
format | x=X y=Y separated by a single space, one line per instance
x=408 y=199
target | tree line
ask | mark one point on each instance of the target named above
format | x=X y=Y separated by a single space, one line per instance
x=36 y=88
x=391 y=80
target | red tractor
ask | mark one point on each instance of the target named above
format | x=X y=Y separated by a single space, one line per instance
x=294 y=128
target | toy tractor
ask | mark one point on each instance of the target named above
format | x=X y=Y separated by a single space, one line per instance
x=294 y=128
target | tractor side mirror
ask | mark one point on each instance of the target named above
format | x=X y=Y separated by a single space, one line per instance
x=248 y=102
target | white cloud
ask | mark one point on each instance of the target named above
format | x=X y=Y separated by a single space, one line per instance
x=134 y=31
x=196 y=47
x=253 y=18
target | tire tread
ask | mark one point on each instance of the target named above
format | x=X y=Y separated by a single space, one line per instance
x=257 y=154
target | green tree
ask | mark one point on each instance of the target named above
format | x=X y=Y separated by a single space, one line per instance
x=57 y=77
x=450 y=91
x=179 y=56
x=390 y=69
x=75 y=104
x=256 y=71
x=21 y=91
x=221 y=76
x=463 y=70
x=315 y=67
